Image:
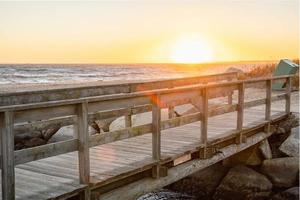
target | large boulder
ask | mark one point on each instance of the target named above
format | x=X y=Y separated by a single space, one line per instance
x=283 y=172
x=265 y=149
x=287 y=125
x=289 y=194
x=290 y=146
x=281 y=134
x=201 y=184
x=243 y=183
x=251 y=156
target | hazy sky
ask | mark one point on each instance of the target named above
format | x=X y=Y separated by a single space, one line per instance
x=147 y=31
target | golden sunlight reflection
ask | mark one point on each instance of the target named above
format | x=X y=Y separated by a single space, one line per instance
x=191 y=50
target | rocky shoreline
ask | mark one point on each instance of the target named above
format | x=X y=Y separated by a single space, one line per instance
x=267 y=171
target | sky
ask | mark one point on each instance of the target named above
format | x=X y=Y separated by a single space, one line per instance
x=145 y=31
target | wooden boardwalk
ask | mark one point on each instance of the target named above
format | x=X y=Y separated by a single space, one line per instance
x=116 y=161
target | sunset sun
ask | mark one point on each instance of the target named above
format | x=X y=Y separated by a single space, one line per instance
x=191 y=50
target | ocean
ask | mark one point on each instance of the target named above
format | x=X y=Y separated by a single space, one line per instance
x=70 y=73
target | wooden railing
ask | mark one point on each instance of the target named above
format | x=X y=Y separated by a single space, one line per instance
x=104 y=88
x=82 y=110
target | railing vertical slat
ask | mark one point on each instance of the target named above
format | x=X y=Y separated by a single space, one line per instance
x=240 y=111
x=288 y=95
x=204 y=119
x=268 y=99
x=171 y=113
x=156 y=133
x=7 y=150
x=128 y=121
x=83 y=143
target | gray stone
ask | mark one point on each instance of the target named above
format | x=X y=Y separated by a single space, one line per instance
x=290 y=146
x=201 y=184
x=265 y=149
x=165 y=195
x=283 y=172
x=243 y=183
x=289 y=194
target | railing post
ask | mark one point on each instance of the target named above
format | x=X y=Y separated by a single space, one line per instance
x=156 y=135
x=7 y=151
x=204 y=122
x=204 y=119
x=268 y=99
x=240 y=112
x=83 y=146
x=288 y=95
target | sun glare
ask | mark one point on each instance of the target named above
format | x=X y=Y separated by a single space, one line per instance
x=191 y=50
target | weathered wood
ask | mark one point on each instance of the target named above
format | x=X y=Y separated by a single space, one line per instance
x=105 y=88
x=128 y=122
x=240 y=111
x=118 y=103
x=44 y=113
x=83 y=143
x=142 y=186
x=204 y=118
x=268 y=99
x=171 y=112
x=45 y=151
x=129 y=96
x=7 y=157
x=254 y=103
x=156 y=134
x=230 y=99
x=113 y=136
x=44 y=125
x=288 y=95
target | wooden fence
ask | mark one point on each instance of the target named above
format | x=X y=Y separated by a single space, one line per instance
x=81 y=111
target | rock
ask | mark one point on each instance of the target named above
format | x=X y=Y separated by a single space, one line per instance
x=47 y=134
x=289 y=194
x=287 y=125
x=250 y=156
x=290 y=146
x=34 y=142
x=265 y=149
x=243 y=183
x=283 y=172
x=165 y=195
x=201 y=184
x=233 y=69
x=281 y=134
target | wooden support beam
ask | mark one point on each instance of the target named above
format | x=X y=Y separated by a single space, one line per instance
x=268 y=99
x=156 y=134
x=83 y=143
x=240 y=112
x=288 y=95
x=207 y=152
x=159 y=171
x=7 y=150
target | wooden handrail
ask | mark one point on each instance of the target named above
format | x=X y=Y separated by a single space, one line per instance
x=134 y=94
